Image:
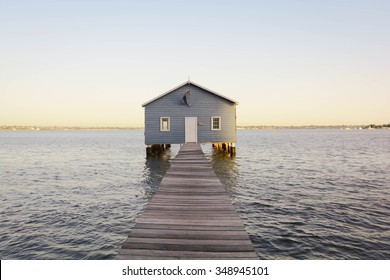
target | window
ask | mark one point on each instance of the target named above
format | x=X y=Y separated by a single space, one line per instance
x=165 y=124
x=215 y=123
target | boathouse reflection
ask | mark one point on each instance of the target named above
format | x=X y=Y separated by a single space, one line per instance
x=155 y=169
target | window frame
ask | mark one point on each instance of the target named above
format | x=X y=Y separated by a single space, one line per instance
x=161 y=124
x=219 y=122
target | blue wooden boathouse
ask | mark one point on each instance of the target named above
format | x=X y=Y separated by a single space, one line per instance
x=203 y=116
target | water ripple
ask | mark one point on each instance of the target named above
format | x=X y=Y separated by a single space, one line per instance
x=302 y=194
x=305 y=195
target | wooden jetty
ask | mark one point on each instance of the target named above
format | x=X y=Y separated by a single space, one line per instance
x=190 y=217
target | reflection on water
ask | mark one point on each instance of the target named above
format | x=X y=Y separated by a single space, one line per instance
x=155 y=169
x=225 y=167
x=306 y=194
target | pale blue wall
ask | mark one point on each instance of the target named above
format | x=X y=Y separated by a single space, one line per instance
x=203 y=105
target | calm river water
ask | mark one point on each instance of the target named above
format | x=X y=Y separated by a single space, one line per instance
x=302 y=194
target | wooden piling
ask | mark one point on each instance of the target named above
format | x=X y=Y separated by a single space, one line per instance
x=156 y=149
x=148 y=150
x=233 y=149
x=228 y=148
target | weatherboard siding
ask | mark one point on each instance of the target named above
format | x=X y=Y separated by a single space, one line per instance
x=204 y=105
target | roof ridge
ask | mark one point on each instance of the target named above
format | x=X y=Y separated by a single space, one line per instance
x=189 y=83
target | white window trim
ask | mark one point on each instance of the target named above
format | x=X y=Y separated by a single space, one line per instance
x=161 y=124
x=212 y=121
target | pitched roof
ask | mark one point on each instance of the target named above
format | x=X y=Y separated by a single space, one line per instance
x=190 y=83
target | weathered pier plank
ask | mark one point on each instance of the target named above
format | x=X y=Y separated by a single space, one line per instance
x=190 y=216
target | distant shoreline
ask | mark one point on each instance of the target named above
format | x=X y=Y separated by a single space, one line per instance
x=247 y=127
x=265 y=127
x=66 y=128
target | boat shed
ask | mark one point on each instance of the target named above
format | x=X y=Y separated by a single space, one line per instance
x=190 y=113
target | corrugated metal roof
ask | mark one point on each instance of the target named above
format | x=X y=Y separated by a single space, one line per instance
x=190 y=83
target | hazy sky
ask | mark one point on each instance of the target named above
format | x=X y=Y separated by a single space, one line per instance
x=93 y=63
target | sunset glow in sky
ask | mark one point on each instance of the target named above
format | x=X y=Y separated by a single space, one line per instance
x=93 y=63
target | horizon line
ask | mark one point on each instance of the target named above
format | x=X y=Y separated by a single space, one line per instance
x=60 y=127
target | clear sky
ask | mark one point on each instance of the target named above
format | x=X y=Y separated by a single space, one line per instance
x=93 y=63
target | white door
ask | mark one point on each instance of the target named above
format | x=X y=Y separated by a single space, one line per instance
x=191 y=129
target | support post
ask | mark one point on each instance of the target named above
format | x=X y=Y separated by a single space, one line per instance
x=149 y=150
x=155 y=150
x=233 y=150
